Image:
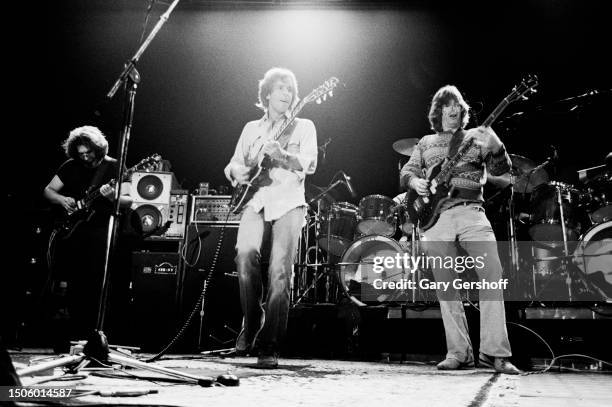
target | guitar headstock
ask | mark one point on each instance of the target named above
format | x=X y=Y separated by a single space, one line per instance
x=523 y=89
x=147 y=163
x=322 y=91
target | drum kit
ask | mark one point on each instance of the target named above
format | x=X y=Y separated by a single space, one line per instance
x=347 y=238
x=569 y=229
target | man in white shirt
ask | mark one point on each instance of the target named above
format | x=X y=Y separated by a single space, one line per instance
x=276 y=210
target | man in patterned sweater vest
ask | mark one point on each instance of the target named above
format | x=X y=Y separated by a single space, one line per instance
x=463 y=225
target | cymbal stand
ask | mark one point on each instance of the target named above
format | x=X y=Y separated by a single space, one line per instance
x=414 y=247
x=513 y=248
x=303 y=288
x=564 y=266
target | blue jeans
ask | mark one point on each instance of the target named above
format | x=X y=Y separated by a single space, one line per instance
x=468 y=227
x=265 y=323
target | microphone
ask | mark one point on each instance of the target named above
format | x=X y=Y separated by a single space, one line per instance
x=323 y=147
x=347 y=182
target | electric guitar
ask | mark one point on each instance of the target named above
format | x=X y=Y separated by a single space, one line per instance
x=258 y=175
x=426 y=209
x=84 y=211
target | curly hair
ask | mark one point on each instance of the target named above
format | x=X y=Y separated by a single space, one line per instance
x=88 y=136
x=268 y=81
x=443 y=96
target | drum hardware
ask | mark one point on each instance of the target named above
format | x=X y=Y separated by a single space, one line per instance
x=554 y=214
x=322 y=219
x=592 y=258
x=526 y=175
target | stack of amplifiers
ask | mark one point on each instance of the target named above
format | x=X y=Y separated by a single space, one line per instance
x=212 y=209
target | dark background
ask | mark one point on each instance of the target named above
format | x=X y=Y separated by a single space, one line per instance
x=199 y=87
x=200 y=73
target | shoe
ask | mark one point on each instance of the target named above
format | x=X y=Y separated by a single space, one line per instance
x=267 y=361
x=501 y=365
x=454 y=364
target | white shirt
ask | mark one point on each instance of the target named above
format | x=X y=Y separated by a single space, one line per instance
x=287 y=188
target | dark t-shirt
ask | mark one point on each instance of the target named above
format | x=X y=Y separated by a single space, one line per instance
x=77 y=179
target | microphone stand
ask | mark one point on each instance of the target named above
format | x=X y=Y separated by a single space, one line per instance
x=96 y=347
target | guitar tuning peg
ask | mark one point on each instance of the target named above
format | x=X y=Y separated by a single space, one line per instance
x=331 y=93
x=325 y=97
x=318 y=101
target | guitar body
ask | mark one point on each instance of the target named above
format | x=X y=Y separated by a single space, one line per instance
x=70 y=223
x=426 y=209
x=245 y=192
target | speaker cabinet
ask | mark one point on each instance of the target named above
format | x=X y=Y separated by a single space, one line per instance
x=151 y=187
x=222 y=316
x=159 y=213
x=155 y=292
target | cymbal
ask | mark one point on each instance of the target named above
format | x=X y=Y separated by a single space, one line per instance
x=405 y=146
x=521 y=164
x=526 y=174
x=312 y=190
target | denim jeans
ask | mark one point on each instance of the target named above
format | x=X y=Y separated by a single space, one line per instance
x=468 y=227
x=265 y=323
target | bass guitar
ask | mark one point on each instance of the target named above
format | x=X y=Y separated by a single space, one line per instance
x=84 y=206
x=426 y=209
x=258 y=175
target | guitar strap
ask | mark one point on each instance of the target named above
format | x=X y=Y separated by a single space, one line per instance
x=455 y=142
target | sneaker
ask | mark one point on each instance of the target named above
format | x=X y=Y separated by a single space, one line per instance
x=454 y=364
x=501 y=365
x=267 y=361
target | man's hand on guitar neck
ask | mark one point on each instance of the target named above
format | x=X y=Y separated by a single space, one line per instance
x=107 y=192
x=484 y=137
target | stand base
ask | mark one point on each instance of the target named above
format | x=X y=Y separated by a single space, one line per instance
x=96 y=349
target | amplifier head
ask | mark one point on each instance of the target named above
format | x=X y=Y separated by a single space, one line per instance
x=212 y=209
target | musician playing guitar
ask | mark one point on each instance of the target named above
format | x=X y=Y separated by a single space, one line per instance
x=79 y=259
x=276 y=210
x=462 y=223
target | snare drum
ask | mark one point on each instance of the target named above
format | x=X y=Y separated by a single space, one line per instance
x=338 y=228
x=376 y=216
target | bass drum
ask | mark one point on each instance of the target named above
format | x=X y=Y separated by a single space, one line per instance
x=593 y=256
x=363 y=276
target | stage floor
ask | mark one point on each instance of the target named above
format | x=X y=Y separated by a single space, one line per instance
x=317 y=382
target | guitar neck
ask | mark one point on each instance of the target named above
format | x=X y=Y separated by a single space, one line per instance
x=290 y=119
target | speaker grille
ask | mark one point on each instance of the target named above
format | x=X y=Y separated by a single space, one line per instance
x=150 y=217
x=150 y=187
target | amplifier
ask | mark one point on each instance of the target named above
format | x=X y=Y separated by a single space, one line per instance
x=212 y=209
